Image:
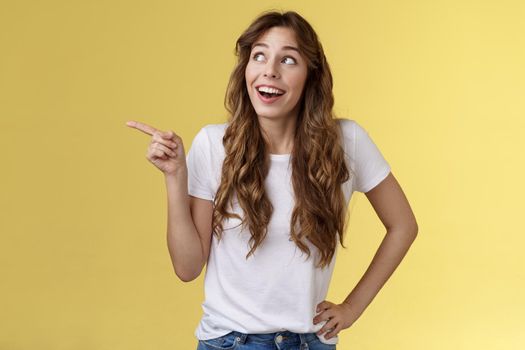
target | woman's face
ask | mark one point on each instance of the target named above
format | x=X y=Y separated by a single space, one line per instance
x=275 y=63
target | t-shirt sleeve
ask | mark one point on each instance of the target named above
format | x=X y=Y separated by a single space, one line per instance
x=370 y=166
x=198 y=161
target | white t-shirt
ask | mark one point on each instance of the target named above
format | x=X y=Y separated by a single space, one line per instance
x=276 y=288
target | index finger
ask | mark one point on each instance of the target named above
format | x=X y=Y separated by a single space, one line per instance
x=142 y=127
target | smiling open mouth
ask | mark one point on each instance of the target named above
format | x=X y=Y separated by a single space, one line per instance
x=269 y=97
x=269 y=94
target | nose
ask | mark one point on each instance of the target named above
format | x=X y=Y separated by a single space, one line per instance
x=271 y=71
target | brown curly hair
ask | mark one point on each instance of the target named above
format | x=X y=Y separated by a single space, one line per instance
x=318 y=160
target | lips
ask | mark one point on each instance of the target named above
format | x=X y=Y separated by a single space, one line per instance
x=270 y=86
x=267 y=100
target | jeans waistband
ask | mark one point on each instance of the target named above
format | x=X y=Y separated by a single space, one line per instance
x=280 y=337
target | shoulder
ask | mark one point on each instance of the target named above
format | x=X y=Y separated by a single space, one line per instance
x=351 y=129
x=214 y=131
x=211 y=133
x=348 y=129
x=209 y=138
x=347 y=126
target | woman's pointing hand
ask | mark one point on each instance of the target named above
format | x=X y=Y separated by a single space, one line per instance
x=165 y=151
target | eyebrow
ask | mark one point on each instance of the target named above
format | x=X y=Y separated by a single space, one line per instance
x=286 y=47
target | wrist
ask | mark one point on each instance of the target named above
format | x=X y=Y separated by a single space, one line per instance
x=177 y=175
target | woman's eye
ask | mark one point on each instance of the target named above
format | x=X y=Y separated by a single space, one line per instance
x=291 y=58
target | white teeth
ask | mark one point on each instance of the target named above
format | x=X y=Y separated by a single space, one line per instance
x=270 y=90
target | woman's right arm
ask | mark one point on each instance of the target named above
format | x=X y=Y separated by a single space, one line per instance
x=189 y=228
x=189 y=218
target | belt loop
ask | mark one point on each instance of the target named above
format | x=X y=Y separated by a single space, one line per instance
x=304 y=343
x=240 y=337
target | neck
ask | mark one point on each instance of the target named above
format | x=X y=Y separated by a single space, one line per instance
x=279 y=133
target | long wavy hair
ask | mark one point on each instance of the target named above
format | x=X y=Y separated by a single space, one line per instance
x=317 y=159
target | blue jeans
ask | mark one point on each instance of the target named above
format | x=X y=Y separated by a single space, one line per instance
x=285 y=340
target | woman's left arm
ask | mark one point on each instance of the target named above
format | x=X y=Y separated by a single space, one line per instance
x=393 y=209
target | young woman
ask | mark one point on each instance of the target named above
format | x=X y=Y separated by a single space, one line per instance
x=261 y=199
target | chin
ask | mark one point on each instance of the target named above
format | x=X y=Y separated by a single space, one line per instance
x=270 y=111
x=266 y=114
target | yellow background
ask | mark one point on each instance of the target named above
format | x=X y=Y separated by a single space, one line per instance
x=439 y=85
